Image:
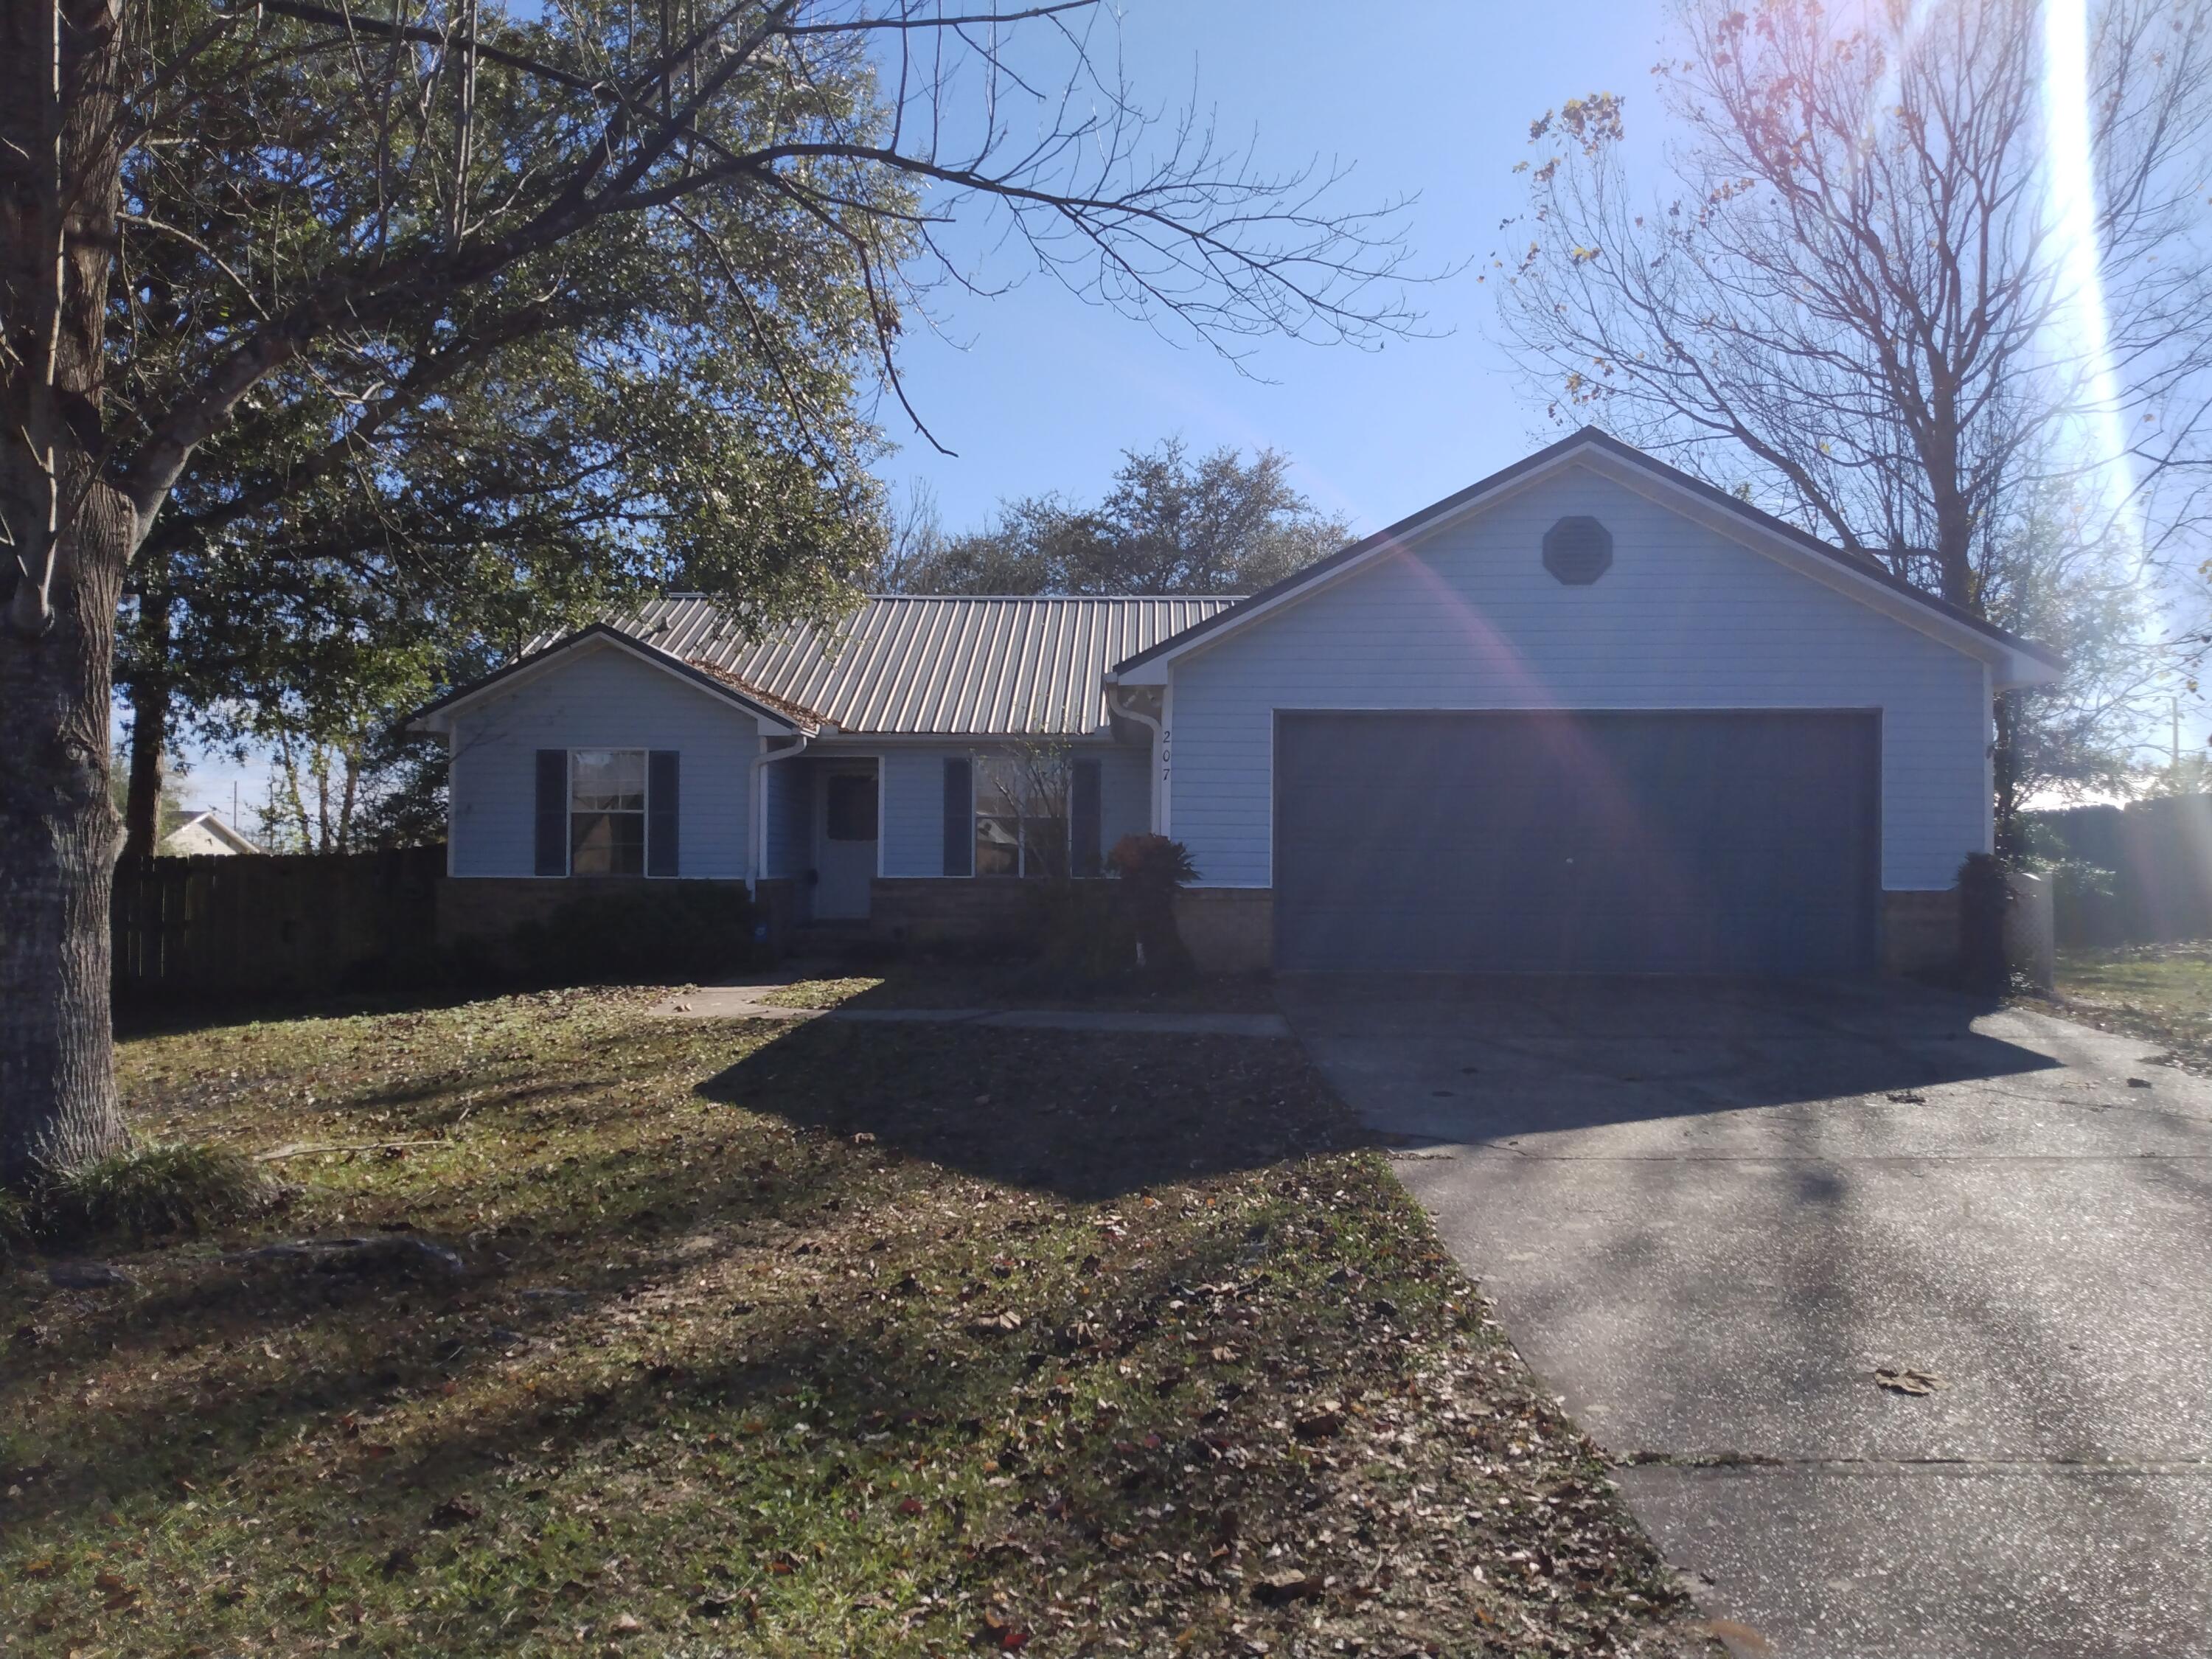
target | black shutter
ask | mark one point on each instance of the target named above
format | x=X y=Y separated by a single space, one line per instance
x=552 y=812
x=959 y=818
x=661 y=796
x=1083 y=849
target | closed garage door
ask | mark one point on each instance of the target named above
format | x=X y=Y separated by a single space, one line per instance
x=1673 y=842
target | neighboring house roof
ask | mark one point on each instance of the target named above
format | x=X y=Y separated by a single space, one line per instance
x=538 y=655
x=202 y=833
x=910 y=665
x=1586 y=444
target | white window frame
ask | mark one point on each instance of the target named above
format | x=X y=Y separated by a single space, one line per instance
x=977 y=761
x=644 y=811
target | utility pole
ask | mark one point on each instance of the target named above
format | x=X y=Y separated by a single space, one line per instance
x=2176 y=703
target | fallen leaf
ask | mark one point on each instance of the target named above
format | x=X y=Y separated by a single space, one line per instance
x=1280 y=1587
x=1323 y=1425
x=1899 y=1380
x=457 y=1511
x=1741 y=1641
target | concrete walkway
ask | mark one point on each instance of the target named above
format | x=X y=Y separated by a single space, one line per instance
x=747 y=1002
x=1709 y=1214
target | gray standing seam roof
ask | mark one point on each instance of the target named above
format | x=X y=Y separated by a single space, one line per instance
x=921 y=665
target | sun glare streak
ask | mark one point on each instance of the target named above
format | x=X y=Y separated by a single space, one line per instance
x=2069 y=170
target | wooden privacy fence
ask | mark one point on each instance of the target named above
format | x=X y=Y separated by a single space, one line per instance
x=213 y=925
x=2159 y=854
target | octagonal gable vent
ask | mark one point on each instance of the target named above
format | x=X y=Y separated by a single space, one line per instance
x=1578 y=551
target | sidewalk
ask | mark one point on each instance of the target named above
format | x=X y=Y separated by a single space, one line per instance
x=749 y=1002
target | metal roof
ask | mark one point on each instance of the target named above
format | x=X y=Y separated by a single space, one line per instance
x=915 y=665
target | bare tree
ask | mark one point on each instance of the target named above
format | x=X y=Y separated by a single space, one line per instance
x=1925 y=282
x=367 y=211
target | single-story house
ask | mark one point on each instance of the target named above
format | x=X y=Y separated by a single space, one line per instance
x=203 y=834
x=1587 y=714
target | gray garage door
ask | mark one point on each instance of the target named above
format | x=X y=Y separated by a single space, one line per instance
x=1670 y=842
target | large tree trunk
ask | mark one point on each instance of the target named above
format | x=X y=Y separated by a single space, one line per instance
x=57 y=839
x=70 y=538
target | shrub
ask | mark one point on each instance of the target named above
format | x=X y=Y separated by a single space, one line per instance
x=1983 y=899
x=1151 y=868
x=151 y=1190
x=667 y=932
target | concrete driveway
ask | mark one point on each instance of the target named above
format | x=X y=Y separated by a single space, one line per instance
x=1707 y=1213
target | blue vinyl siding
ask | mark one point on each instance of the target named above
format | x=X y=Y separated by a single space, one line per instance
x=604 y=698
x=913 y=801
x=1469 y=618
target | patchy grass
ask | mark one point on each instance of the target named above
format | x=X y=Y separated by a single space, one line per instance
x=823 y=992
x=2160 y=993
x=152 y=1189
x=885 y=1340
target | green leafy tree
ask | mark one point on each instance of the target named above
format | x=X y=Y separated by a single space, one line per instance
x=404 y=193
x=1171 y=524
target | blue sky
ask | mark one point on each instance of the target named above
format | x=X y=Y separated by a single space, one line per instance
x=1039 y=392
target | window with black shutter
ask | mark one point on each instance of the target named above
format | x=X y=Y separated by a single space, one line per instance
x=959 y=817
x=552 y=851
x=663 y=792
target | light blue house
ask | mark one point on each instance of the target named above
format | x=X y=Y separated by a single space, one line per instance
x=1588 y=714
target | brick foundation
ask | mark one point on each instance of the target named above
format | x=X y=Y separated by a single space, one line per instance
x=1228 y=930
x=1920 y=932
x=776 y=902
x=484 y=911
x=973 y=911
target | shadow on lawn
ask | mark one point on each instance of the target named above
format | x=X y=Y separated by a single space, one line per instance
x=1066 y=1115
x=1086 y=1116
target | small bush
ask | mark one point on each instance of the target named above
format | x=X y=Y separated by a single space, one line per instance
x=149 y=1191
x=1150 y=868
x=1983 y=899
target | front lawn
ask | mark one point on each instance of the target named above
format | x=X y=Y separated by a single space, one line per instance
x=2160 y=993
x=773 y=1341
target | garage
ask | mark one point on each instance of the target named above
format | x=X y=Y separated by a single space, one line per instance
x=1646 y=842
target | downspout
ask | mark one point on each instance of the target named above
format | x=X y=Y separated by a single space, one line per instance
x=758 y=862
x=1142 y=719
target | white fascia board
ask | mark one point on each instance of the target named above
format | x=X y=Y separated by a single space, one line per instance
x=554 y=659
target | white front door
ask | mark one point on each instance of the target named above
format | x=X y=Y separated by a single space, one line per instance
x=844 y=840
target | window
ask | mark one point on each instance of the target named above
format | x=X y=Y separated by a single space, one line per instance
x=606 y=811
x=1021 y=816
x=1578 y=551
x=849 y=808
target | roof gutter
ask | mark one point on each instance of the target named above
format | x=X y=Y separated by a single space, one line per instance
x=1115 y=704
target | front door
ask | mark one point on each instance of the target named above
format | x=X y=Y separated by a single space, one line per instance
x=845 y=841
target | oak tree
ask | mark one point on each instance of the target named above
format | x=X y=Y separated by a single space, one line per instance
x=385 y=244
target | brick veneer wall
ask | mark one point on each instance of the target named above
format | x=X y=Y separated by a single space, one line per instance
x=485 y=910
x=976 y=910
x=1228 y=930
x=1920 y=932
